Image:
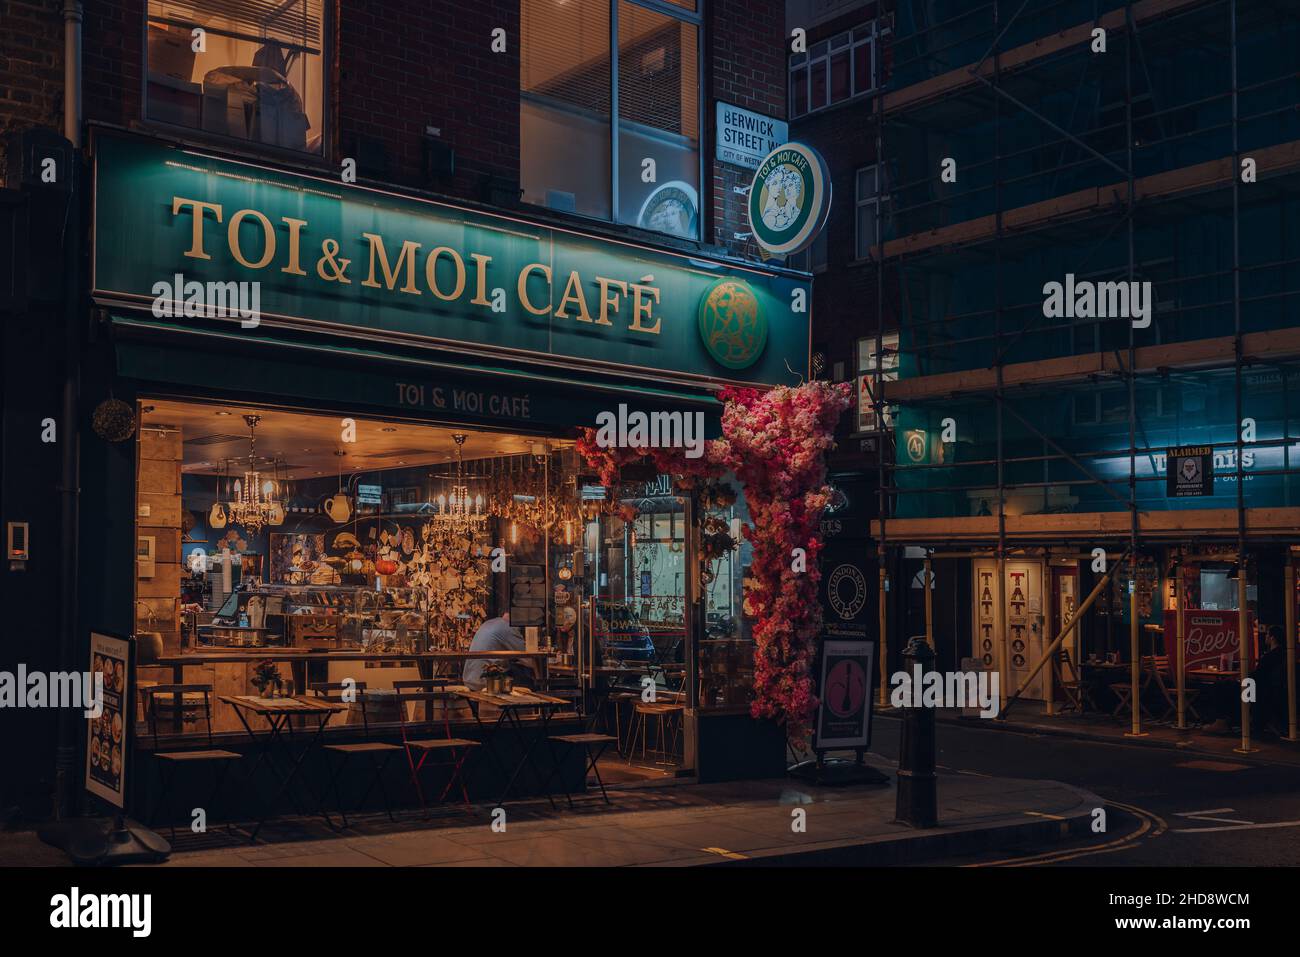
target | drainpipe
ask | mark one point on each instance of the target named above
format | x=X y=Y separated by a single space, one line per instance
x=72 y=72
x=65 y=761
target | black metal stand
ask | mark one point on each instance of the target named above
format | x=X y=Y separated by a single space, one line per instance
x=106 y=842
x=832 y=772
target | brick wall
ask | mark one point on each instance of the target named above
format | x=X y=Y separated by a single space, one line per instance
x=403 y=66
x=844 y=293
x=112 y=60
x=31 y=67
x=406 y=65
x=745 y=55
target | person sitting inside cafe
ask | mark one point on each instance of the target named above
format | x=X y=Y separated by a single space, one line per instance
x=1269 y=707
x=495 y=634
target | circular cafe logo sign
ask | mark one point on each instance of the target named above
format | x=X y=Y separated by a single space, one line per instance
x=673 y=209
x=732 y=324
x=789 y=199
x=847 y=591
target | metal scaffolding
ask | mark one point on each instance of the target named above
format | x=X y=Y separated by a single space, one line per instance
x=1027 y=51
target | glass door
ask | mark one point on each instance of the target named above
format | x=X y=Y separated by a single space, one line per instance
x=638 y=627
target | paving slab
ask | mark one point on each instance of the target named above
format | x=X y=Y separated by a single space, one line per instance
x=739 y=824
x=1269 y=749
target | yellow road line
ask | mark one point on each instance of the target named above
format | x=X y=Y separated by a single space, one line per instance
x=1150 y=822
x=725 y=853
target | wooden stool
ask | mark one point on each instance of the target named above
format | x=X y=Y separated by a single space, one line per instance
x=668 y=719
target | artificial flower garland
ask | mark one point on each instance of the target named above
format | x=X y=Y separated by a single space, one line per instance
x=775 y=442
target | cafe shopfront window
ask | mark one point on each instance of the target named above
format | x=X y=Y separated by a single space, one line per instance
x=239 y=69
x=612 y=130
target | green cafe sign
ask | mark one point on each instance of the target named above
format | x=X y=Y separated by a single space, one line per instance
x=382 y=267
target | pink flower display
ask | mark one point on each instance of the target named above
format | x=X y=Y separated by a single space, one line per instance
x=775 y=442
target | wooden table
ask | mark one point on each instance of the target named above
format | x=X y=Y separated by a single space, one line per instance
x=428 y=662
x=278 y=714
x=509 y=706
x=1115 y=667
x=1213 y=674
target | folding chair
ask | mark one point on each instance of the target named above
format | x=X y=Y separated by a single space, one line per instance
x=168 y=761
x=1157 y=666
x=585 y=739
x=1147 y=670
x=424 y=694
x=1073 y=688
x=342 y=693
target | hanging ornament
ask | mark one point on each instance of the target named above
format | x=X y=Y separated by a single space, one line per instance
x=114 y=420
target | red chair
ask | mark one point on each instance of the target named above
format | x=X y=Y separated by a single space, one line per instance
x=420 y=734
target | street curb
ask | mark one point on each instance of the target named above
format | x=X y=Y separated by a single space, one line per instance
x=930 y=844
x=1081 y=735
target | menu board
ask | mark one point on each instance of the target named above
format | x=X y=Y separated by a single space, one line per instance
x=527 y=596
x=844 y=711
x=108 y=735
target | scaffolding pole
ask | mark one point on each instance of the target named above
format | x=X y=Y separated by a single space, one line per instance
x=1290 y=650
x=1180 y=637
x=1243 y=611
x=1004 y=650
x=877 y=396
x=988 y=76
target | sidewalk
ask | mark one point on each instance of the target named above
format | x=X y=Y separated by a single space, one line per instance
x=689 y=825
x=1027 y=717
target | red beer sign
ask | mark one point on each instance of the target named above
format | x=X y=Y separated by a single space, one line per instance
x=1209 y=638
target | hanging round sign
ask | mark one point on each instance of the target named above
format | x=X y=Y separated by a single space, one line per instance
x=789 y=199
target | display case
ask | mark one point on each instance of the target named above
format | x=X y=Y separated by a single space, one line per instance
x=322 y=617
x=389 y=621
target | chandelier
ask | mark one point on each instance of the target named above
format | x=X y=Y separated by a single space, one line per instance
x=257 y=499
x=459 y=511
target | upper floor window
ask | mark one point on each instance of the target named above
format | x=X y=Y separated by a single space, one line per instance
x=870 y=192
x=834 y=70
x=611 y=129
x=812 y=258
x=245 y=69
x=869 y=359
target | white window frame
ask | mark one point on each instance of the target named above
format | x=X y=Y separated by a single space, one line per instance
x=200 y=134
x=876 y=199
x=696 y=19
x=821 y=53
x=866 y=378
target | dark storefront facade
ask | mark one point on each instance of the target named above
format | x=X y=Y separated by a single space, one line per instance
x=457 y=306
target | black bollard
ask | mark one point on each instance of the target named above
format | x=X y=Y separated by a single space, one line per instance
x=917 y=800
